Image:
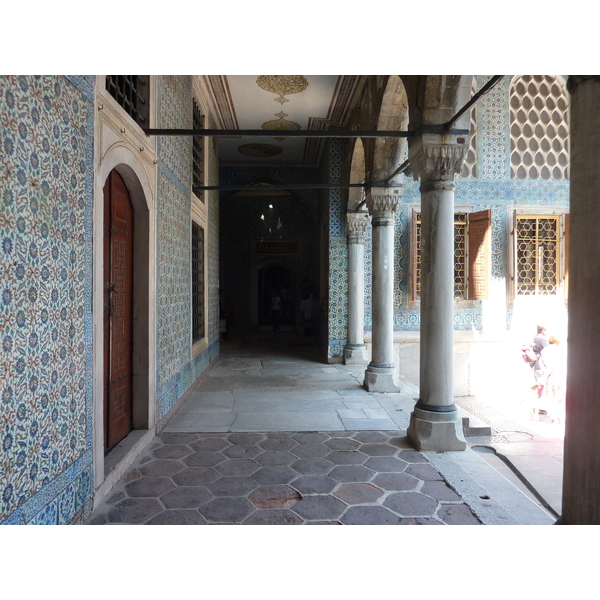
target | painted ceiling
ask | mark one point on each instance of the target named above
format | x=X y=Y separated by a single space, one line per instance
x=278 y=103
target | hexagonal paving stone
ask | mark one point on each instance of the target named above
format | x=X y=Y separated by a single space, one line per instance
x=396 y=482
x=237 y=467
x=149 y=487
x=378 y=450
x=312 y=466
x=439 y=490
x=319 y=508
x=274 y=475
x=227 y=510
x=195 y=476
x=240 y=451
x=310 y=437
x=423 y=472
x=457 y=514
x=411 y=504
x=342 y=444
x=369 y=515
x=178 y=438
x=273 y=517
x=274 y=496
x=346 y=458
x=314 y=484
x=161 y=468
x=400 y=442
x=203 y=458
x=419 y=521
x=358 y=493
x=351 y=474
x=134 y=510
x=214 y=444
x=386 y=464
x=178 y=517
x=412 y=456
x=278 y=444
x=275 y=459
x=245 y=439
x=173 y=451
x=232 y=486
x=310 y=451
x=371 y=437
x=186 y=497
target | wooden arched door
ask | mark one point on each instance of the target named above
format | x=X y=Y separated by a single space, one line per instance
x=118 y=311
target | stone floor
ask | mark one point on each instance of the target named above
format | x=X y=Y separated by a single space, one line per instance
x=273 y=435
x=328 y=478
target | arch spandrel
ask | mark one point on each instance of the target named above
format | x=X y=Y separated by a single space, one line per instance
x=358 y=174
x=393 y=116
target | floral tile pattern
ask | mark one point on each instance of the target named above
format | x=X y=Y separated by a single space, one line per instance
x=46 y=167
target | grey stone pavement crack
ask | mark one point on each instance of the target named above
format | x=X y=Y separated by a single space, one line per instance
x=275 y=478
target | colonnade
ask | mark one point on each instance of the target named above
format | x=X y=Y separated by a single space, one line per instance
x=435 y=423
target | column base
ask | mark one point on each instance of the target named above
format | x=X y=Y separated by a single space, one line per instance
x=379 y=379
x=437 y=431
x=354 y=354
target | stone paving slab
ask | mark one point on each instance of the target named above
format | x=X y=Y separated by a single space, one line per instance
x=283 y=478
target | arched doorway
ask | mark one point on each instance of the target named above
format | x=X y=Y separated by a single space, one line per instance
x=280 y=278
x=118 y=311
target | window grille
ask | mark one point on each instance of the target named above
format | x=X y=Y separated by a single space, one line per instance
x=539 y=128
x=132 y=93
x=537 y=254
x=460 y=256
x=197 y=282
x=198 y=154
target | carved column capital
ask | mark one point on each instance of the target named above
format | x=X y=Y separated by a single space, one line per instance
x=435 y=156
x=382 y=203
x=356 y=225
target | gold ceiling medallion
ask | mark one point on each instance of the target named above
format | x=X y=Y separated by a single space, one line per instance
x=280 y=125
x=260 y=150
x=282 y=85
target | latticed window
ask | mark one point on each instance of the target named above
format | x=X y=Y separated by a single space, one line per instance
x=537 y=254
x=197 y=282
x=198 y=154
x=132 y=94
x=471 y=255
x=539 y=128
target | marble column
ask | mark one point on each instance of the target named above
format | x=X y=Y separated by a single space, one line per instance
x=356 y=225
x=435 y=423
x=382 y=203
x=581 y=480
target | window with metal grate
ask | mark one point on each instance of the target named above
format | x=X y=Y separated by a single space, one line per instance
x=132 y=94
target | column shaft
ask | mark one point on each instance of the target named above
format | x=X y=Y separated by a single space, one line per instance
x=383 y=294
x=379 y=376
x=437 y=294
x=356 y=224
x=581 y=481
x=435 y=423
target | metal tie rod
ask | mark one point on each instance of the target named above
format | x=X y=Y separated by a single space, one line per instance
x=301 y=134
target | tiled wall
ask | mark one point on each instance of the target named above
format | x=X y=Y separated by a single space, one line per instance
x=46 y=181
x=175 y=369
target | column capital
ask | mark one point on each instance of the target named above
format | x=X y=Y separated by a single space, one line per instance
x=356 y=225
x=436 y=156
x=383 y=202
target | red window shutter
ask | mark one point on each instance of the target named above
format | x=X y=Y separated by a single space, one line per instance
x=480 y=245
